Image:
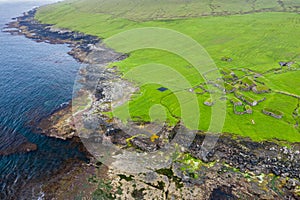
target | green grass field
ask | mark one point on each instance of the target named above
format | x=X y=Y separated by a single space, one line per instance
x=256 y=35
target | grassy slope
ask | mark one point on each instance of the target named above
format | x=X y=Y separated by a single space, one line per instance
x=256 y=41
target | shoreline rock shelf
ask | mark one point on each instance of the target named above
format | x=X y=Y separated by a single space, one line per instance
x=32 y=29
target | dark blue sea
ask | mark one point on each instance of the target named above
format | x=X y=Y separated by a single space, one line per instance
x=35 y=79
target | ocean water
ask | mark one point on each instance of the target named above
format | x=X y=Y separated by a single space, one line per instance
x=35 y=79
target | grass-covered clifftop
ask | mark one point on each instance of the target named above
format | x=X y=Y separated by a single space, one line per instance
x=145 y=10
x=256 y=35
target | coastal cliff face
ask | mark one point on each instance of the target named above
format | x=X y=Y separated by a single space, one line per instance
x=237 y=168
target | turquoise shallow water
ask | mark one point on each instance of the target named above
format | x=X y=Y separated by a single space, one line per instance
x=35 y=79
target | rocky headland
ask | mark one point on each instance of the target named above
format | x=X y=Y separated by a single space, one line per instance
x=236 y=168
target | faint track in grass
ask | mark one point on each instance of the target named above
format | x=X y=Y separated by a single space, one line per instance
x=287 y=93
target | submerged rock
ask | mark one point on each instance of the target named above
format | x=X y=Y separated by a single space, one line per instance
x=12 y=142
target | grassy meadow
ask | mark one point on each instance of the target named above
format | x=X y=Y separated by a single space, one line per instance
x=255 y=35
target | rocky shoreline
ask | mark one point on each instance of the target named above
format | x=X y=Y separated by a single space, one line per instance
x=237 y=168
x=28 y=26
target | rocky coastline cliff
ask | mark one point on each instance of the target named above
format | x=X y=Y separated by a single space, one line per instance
x=237 y=168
